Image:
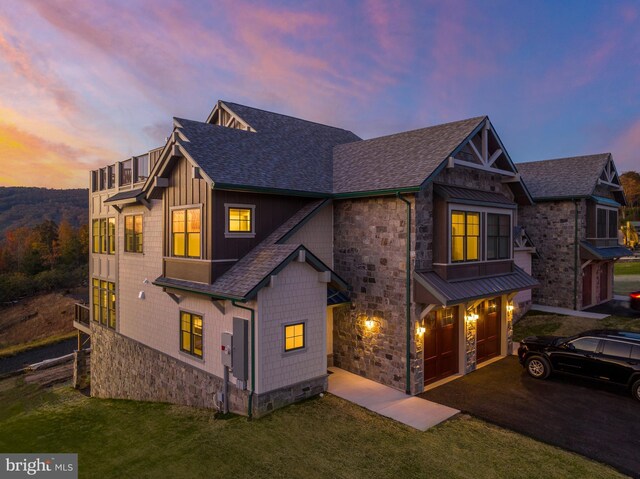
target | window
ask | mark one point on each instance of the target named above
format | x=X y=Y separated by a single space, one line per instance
x=95 y=232
x=601 y=223
x=185 y=231
x=111 y=176
x=588 y=345
x=104 y=302
x=606 y=223
x=103 y=236
x=239 y=220
x=616 y=348
x=94 y=181
x=133 y=233
x=142 y=168
x=191 y=333
x=103 y=178
x=125 y=172
x=111 y=235
x=465 y=236
x=498 y=236
x=613 y=224
x=294 y=337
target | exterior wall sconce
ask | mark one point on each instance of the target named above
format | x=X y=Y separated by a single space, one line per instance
x=471 y=317
x=141 y=295
x=421 y=330
x=370 y=323
x=510 y=308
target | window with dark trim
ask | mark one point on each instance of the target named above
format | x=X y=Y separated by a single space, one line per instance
x=103 y=236
x=133 y=233
x=95 y=235
x=94 y=181
x=185 y=232
x=613 y=224
x=104 y=302
x=498 y=236
x=601 y=218
x=465 y=236
x=103 y=178
x=111 y=235
x=191 y=333
x=111 y=176
x=126 y=172
x=294 y=336
x=606 y=223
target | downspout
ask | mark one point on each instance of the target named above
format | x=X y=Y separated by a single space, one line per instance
x=408 y=291
x=575 y=257
x=253 y=350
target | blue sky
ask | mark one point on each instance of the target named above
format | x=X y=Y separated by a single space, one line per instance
x=86 y=83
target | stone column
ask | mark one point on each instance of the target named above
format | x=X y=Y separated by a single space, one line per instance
x=81 y=368
x=470 y=330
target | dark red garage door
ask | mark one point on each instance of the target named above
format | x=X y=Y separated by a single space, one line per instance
x=440 y=345
x=488 y=334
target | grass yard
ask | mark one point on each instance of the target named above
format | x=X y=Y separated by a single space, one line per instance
x=536 y=323
x=323 y=437
x=626 y=267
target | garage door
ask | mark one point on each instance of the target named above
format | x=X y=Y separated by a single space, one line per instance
x=488 y=333
x=440 y=345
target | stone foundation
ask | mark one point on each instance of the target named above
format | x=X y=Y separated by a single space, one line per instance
x=122 y=368
x=81 y=368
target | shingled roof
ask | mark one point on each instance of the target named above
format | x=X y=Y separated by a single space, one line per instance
x=397 y=161
x=571 y=177
x=284 y=153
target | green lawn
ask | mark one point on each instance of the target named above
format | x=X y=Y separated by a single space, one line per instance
x=626 y=267
x=536 y=323
x=323 y=437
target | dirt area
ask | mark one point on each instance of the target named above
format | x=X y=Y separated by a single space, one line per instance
x=37 y=317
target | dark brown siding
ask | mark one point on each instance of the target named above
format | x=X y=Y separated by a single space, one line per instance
x=591 y=219
x=185 y=190
x=270 y=212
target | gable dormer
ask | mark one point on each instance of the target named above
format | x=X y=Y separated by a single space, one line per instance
x=222 y=115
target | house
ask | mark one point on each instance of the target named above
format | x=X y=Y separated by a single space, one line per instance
x=574 y=225
x=264 y=248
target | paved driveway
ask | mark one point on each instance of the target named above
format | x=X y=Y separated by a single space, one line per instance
x=597 y=421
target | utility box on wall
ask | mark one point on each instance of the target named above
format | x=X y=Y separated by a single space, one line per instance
x=240 y=351
x=227 y=350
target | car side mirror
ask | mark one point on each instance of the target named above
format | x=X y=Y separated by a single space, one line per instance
x=569 y=346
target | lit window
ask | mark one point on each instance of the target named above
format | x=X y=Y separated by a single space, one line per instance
x=191 y=333
x=465 y=236
x=95 y=232
x=239 y=220
x=185 y=230
x=294 y=337
x=133 y=234
x=104 y=302
x=96 y=300
x=111 y=235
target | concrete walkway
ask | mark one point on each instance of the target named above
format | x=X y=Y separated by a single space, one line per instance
x=567 y=312
x=410 y=410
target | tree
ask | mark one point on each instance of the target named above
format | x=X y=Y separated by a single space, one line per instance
x=631 y=185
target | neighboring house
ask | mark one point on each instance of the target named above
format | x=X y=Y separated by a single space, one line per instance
x=574 y=226
x=392 y=258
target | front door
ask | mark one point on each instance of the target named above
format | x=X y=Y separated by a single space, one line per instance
x=488 y=331
x=586 y=286
x=440 y=344
x=604 y=282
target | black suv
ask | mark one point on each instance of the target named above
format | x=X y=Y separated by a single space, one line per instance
x=604 y=355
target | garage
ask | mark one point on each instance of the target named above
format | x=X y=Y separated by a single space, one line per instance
x=488 y=332
x=440 y=344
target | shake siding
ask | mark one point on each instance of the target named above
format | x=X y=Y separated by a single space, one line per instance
x=297 y=296
x=154 y=321
x=317 y=235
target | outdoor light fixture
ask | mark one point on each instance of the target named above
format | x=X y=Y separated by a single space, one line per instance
x=471 y=317
x=510 y=308
x=141 y=295
x=146 y=281
x=421 y=330
x=369 y=323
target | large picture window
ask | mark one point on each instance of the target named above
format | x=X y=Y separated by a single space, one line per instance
x=465 y=236
x=498 y=236
x=294 y=336
x=185 y=232
x=103 y=232
x=133 y=234
x=606 y=223
x=104 y=302
x=191 y=333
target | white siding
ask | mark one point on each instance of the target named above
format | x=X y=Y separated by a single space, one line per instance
x=297 y=296
x=523 y=260
x=317 y=235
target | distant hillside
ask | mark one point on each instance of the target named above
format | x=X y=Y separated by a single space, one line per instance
x=26 y=206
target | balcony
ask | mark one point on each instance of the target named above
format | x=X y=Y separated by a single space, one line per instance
x=81 y=318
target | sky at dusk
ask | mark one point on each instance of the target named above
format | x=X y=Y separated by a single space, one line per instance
x=85 y=83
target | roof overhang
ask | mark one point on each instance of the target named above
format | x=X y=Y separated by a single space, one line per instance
x=589 y=251
x=467 y=196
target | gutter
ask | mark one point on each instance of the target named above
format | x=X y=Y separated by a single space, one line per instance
x=253 y=356
x=408 y=291
x=575 y=256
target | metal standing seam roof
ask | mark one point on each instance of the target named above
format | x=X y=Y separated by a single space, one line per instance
x=242 y=279
x=455 y=292
x=124 y=195
x=575 y=176
x=610 y=252
x=468 y=195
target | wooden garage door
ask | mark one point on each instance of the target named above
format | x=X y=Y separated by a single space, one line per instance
x=587 y=283
x=440 y=344
x=488 y=333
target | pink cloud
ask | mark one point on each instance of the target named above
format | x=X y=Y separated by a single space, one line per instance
x=626 y=147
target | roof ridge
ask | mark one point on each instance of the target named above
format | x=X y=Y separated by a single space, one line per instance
x=592 y=155
x=285 y=115
x=479 y=118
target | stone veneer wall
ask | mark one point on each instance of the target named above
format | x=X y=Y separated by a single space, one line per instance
x=122 y=368
x=370 y=237
x=81 y=368
x=550 y=225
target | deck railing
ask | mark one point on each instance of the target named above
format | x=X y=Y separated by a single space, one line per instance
x=82 y=317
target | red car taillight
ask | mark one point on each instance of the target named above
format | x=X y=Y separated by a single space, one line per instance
x=635 y=295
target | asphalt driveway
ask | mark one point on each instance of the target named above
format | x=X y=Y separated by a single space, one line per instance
x=597 y=421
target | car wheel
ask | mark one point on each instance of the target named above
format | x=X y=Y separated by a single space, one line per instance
x=538 y=367
x=635 y=390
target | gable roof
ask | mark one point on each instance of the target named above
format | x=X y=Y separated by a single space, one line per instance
x=401 y=160
x=284 y=153
x=571 y=177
